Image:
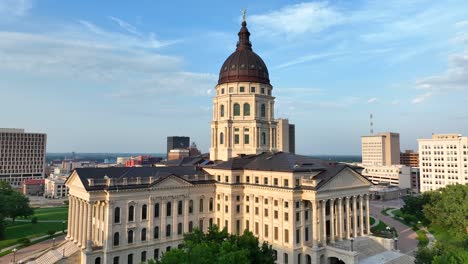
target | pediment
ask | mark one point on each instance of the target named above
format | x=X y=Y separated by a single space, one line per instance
x=345 y=179
x=74 y=181
x=171 y=181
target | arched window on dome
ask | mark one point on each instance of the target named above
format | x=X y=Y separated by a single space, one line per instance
x=221 y=138
x=221 y=110
x=263 y=138
x=246 y=109
x=236 y=109
x=263 y=110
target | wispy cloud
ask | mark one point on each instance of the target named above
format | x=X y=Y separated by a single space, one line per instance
x=372 y=100
x=421 y=98
x=126 y=26
x=297 y=19
x=14 y=8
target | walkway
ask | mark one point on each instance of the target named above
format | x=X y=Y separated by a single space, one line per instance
x=407 y=241
x=31 y=250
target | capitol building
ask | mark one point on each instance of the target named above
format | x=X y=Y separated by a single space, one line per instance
x=302 y=206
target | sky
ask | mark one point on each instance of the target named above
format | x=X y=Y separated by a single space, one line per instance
x=121 y=76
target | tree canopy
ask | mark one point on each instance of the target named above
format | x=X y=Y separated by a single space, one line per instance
x=13 y=205
x=219 y=247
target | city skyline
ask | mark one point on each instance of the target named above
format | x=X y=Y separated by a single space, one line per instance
x=122 y=78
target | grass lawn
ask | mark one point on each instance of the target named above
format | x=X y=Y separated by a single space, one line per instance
x=18 y=230
x=52 y=213
x=398 y=213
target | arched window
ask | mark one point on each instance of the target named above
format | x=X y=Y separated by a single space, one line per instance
x=116 y=238
x=169 y=209
x=117 y=215
x=168 y=230
x=246 y=109
x=143 y=234
x=190 y=207
x=131 y=213
x=97 y=260
x=211 y=204
x=221 y=110
x=144 y=209
x=221 y=138
x=179 y=228
x=236 y=109
x=201 y=206
x=179 y=208
x=263 y=138
x=190 y=226
x=263 y=110
x=156 y=210
x=130 y=236
x=156 y=232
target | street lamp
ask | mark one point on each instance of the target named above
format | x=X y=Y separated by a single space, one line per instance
x=352 y=244
x=53 y=241
x=14 y=255
x=395 y=239
x=63 y=227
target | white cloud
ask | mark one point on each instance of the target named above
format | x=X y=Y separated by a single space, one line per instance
x=14 y=8
x=421 y=98
x=126 y=26
x=129 y=64
x=372 y=100
x=297 y=19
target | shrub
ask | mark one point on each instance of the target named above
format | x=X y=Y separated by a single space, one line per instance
x=34 y=220
x=24 y=241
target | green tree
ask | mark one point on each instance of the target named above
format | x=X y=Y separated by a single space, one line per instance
x=219 y=247
x=448 y=208
x=17 y=205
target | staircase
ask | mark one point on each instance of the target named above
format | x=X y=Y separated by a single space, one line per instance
x=53 y=255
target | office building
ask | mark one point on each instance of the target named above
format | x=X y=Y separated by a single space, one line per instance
x=177 y=142
x=22 y=156
x=443 y=160
x=409 y=158
x=382 y=149
x=395 y=175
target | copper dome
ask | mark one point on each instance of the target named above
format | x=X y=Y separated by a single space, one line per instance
x=244 y=65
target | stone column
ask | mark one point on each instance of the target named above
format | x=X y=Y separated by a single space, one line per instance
x=187 y=216
x=332 y=220
x=348 y=219
x=367 y=215
x=80 y=221
x=89 y=234
x=109 y=234
x=324 y=223
x=361 y=215
x=70 y=217
x=314 y=224
x=163 y=214
x=175 y=216
x=84 y=218
x=340 y=219
x=354 y=217
x=150 y=217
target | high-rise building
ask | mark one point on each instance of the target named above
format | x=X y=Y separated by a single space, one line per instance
x=409 y=158
x=285 y=136
x=382 y=149
x=22 y=155
x=443 y=160
x=176 y=142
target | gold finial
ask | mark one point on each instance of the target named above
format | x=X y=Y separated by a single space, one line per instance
x=244 y=13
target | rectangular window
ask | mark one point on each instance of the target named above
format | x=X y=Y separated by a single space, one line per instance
x=231 y=89
x=266 y=213
x=265 y=180
x=286 y=216
x=247 y=179
x=242 y=89
x=256 y=210
x=246 y=139
x=226 y=208
x=256 y=228
x=286 y=236
x=276 y=214
x=286 y=183
x=276 y=233
x=238 y=208
x=298 y=236
x=236 y=139
x=252 y=89
x=266 y=231
x=226 y=178
x=237 y=227
x=262 y=90
x=247 y=209
x=247 y=225
x=256 y=180
x=237 y=179
x=275 y=181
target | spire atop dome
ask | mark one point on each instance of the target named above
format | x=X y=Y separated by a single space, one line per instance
x=244 y=34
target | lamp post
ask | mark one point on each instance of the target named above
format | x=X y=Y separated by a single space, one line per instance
x=63 y=227
x=14 y=255
x=53 y=242
x=352 y=244
x=388 y=230
x=395 y=239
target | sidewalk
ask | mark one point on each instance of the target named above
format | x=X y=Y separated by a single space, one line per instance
x=407 y=237
x=31 y=250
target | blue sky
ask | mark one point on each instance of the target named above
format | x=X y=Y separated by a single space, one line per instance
x=120 y=76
